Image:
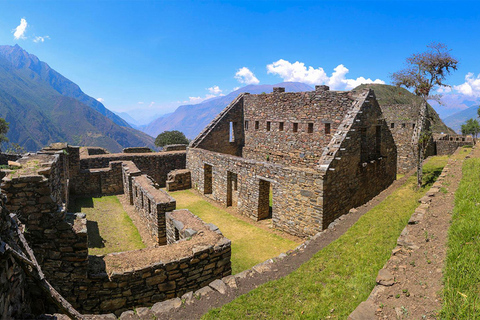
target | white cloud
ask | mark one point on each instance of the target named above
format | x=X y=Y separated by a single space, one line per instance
x=140 y=102
x=40 y=39
x=100 y=100
x=215 y=90
x=298 y=72
x=151 y=104
x=244 y=75
x=19 y=31
x=471 y=86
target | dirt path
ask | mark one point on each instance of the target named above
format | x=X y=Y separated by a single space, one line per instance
x=417 y=268
x=250 y=280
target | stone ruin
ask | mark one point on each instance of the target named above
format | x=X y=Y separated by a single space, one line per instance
x=302 y=159
x=190 y=254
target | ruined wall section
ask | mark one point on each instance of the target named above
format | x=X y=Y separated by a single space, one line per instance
x=14 y=290
x=159 y=273
x=447 y=147
x=225 y=133
x=292 y=128
x=179 y=180
x=360 y=161
x=58 y=239
x=155 y=164
x=296 y=207
x=152 y=204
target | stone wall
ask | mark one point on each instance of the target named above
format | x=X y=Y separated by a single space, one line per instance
x=157 y=274
x=15 y=299
x=5 y=157
x=226 y=132
x=174 y=147
x=58 y=239
x=104 y=181
x=155 y=164
x=179 y=180
x=152 y=204
x=360 y=161
x=448 y=147
x=295 y=191
x=292 y=128
x=137 y=150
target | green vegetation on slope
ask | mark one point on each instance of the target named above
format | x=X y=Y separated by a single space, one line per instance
x=110 y=229
x=250 y=244
x=341 y=275
x=390 y=95
x=462 y=270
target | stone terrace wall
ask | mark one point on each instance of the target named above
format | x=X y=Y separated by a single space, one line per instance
x=59 y=240
x=276 y=116
x=185 y=266
x=155 y=164
x=152 y=204
x=179 y=180
x=5 y=157
x=447 y=147
x=296 y=207
x=356 y=167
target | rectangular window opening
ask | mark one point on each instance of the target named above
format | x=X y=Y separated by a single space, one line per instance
x=257 y=125
x=295 y=127
x=232 y=131
x=268 y=125
x=413 y=125
x=392 y=125
x=327 y=128
x=246 y=124
x=310 y=128
x=378 y=140
x=280 y=126
x=403 y=125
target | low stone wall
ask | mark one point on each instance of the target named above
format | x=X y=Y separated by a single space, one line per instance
x=159 y=273
x=179 y=180
x=447 y=147
x=91 y=151
x=174 y=147
x=152 y=203
x=5 y=157
x=129 y=170
x=99 y=181
x=137 y=150
x=155 y=164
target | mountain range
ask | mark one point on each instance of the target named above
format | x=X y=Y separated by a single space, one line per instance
x=42 y=107
x=456 y=120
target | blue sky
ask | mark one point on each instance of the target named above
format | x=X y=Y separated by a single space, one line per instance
x=151 y=56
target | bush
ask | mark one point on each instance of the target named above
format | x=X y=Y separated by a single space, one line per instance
x=170 y=137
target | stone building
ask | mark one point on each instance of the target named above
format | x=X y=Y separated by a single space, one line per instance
x=301 y=158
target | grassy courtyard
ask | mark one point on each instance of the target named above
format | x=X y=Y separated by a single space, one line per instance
x=250 y=244
x=340 y=276
x=110 y=229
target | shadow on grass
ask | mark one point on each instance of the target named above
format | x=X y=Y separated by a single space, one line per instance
x=95 y=240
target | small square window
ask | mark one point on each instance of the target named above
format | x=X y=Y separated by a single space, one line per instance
x=392 y=125
x=246 y=124
x=295 y=127
x=403 y=125
x=268 y=125
x=280 y=126
x=413 y=125
x=310 y=128
x=257 y=125
x=327 y=128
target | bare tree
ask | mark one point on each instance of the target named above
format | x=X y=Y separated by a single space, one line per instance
x=424 y=72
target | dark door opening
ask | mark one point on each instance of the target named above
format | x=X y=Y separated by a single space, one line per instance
x=264 y=202
x=207 y=179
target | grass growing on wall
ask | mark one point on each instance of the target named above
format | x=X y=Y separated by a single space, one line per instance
x=110 y=229
x=462 y=270
x=250 y=244
x=341 y=275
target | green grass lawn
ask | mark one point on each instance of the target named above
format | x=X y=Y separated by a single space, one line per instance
x=462 y=271
x=250 y=244
x=110 y=229
x=341 y=275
